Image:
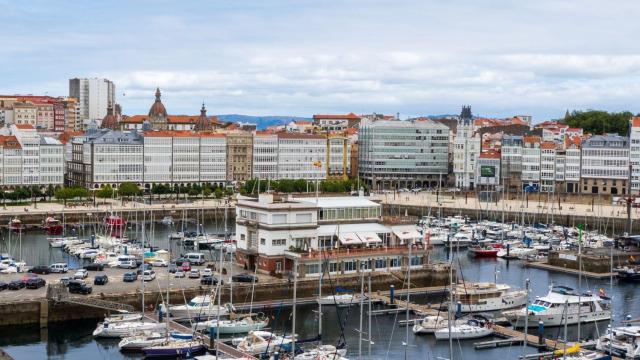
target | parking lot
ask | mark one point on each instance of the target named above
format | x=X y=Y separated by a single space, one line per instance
x=116 y=285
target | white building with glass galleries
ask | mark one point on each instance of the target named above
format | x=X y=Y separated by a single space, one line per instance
x=273 y=233
x=605 y=165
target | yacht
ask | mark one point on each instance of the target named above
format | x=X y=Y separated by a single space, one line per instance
x=232 y=326
x=322 y=352
x=124 y=329
x=430 y=324
x=340 y=300
x=473 y=329
x=551 y=308
x=460 y=239
x=139 y=342
x=257 y=342
x=203 y=306
x=486 y=296
x=621 y=341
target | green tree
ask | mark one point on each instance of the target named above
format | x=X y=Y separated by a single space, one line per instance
x=218 y=193
x=128 y=189
x=63 y=194
x=600 y=122
x=207 y=191
x=105 y=192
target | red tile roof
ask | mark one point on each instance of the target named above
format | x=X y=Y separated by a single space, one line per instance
x=349 y=116
x=548 y=145
x=171 y=119
x=635 y=121
x=181 y=133
x=25 y=126
x=9 y=142
x=285 y=135
x=531 y=139
x=490 y=154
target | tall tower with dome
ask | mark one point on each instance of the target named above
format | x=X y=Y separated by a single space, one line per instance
x=158 y=113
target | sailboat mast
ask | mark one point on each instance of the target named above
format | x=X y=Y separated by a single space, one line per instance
x=579 y=277
x=293 y=317
x=361 y=311
x=320 y=303
x=526 y=319
x=406 y=347
x=369 y=313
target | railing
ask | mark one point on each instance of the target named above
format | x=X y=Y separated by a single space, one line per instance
x=59 y=293
x=354 y=252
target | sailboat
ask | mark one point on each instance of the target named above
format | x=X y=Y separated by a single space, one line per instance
x=200 y=306
x=174 y=348
x=472 y=329
x=233 y=326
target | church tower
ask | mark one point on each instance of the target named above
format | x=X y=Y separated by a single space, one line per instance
x=158 y=114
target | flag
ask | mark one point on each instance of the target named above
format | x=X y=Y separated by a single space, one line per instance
x=632 y=258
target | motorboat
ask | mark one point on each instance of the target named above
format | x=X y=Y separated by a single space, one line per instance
x=460 y=239
x=561 y=305
x=174 y=348
x=167 y=220
x=628 y=273
x=257 y=342
x=485 y=251
x=430 y=324
x=621 y=341
x=340 y=300
x=59 y=242
x=239 y=326
x=15 y=225
x=473 y=329
x=200 y=306
x=123 y=317
x=323 y=352
x=487 y=296
x=124 y=329
x=52 y=226
x=515 y=252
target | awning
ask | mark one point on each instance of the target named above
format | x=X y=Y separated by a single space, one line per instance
x=407 y=234
x=369 y=237
x=349 y=239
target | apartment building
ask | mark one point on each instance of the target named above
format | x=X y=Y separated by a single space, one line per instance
x=338 y=164
x=531 y=163
x=488 y=169
x=239 y=155
x=634 y=154
x=265 y=156
x=511 y=162
x=466 y=150
x=605 y=165
x=329 y=123
x=25 y=113
x=94 y=96
x=301 y=156
x=29 y=158
x=573 y=154
x=396 y=154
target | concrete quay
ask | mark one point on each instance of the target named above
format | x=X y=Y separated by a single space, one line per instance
x=27 y=306
x=568 y=211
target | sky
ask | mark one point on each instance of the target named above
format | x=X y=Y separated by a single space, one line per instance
x=301 y=57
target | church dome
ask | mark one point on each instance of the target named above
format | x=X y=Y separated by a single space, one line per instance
x=110 y=121
x=157 y=109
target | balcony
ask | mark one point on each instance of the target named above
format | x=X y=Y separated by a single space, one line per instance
x=334 y=254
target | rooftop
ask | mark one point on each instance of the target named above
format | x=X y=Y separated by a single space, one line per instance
x=349 y=116
x=426 y=123
x=340 y=201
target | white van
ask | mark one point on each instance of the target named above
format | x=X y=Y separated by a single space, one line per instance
x=195 y=258
x=59 y=268
x=127 y=262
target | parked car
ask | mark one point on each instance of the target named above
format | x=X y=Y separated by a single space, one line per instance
x=180 y=261
x=3 y=285
x=244 y=278
x=160 y=263
x=186 y=266
x=65 y=280
x=209 y=280
x=144 y=267
x=207 y=272
x=16 y=285
x=81 y=274
x=194 y=274
x=172 y=268
x=40 y=269
x=129 y=277
x=59 y=268
x=127 y=264
x=35 y=283
x=101 y=280
x=79 y=287
x=179 y=274
x=148 y=275
x=94 y=267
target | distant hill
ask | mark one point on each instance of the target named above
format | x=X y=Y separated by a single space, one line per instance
x=262 y=122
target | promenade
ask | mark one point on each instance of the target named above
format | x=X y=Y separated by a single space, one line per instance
x=429 y=203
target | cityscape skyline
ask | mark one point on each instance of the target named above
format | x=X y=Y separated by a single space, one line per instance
x=299 y=59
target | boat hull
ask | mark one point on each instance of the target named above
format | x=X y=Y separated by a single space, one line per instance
x=516 y=318
x=172 y=352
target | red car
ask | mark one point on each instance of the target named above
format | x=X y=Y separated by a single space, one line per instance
x=186 y=266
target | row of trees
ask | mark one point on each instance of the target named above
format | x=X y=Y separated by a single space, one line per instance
x=27 y=192
x=301 y=186
x=600 y=122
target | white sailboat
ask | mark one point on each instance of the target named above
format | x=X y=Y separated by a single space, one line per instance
x=124 y=329
x=200 y=306
x=239 y=326
x=469 y=330
x=429 y=324
x=257 y=342
x=340 y=300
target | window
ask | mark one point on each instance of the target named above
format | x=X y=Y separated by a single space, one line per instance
x=349 y=265
x=303 y=218
x=242 y=237
x=263 y=241
x=381 y=263
x=333 y=267
x=312 y=268
x=394 y=262
x=279 y=218
x=279 y=242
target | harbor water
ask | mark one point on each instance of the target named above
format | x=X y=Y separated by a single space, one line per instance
x=74 y=340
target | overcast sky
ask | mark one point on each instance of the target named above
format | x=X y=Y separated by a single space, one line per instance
x=304 y=57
